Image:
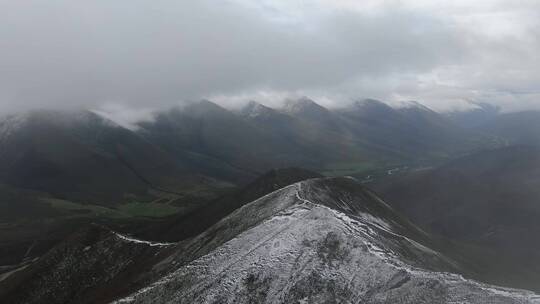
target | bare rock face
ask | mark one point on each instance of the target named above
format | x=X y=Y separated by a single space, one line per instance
x=317 y=241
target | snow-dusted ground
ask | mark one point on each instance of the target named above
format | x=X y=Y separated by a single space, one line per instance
x=10 y=124
x=286 y=248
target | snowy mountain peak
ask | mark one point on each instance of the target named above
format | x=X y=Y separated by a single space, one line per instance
x=255 y=109
x=296 y=106
x=410 y=104
x=369 y=104
x=10 y=124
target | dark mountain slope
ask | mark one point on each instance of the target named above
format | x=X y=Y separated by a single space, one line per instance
x=490 y=199
x=219 y=142
x=313 y=130
x=273 y=120
x=309 y=111
x=412 y=132
x=480 y=114
x=88 y=267
x=195 y=222
x=480 y=185
x=22 y=204
x=84 y=157
x=515 y=128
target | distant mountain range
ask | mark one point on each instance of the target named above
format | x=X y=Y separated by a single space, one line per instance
x=189 y=155
x=206 y=141
x=85 y=157
x=245 y=143
x=478 y=114
x=522 y=128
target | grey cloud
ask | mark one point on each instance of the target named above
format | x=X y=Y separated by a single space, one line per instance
x=148 y=54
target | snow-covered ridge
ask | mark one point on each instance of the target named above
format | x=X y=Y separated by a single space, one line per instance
x=308 y=252
x=295 y=106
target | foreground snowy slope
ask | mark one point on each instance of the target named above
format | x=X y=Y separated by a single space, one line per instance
x=318 y=241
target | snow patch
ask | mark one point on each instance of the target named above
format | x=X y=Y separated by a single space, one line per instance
x=408 y=104
x=10 y=124
x=133 y=240
x=254 y=109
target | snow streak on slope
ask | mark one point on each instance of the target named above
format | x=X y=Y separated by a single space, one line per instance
x=306 y=251
x=133 y=240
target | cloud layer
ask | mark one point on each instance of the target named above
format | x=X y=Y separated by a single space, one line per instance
x=148 y=54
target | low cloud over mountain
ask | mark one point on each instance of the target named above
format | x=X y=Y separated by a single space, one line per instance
x=144 y=54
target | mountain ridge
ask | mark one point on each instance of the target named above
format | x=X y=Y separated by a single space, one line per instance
x=317 y=240
x=254 y=251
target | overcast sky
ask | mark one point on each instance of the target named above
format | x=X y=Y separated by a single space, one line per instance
x=142 y=54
